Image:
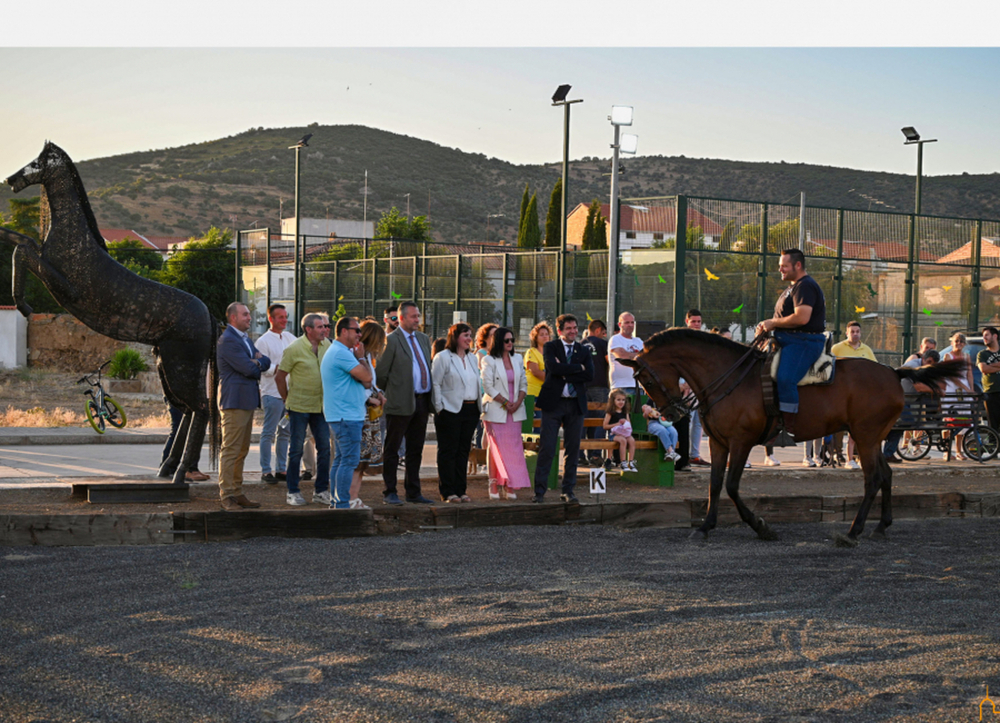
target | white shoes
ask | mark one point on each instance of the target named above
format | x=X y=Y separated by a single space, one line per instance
x=629 y=466
x=770 y=461
x=671 y=455
x=853 y=465
x=357 y=504
x=808 y=462
x=295 y=499
x=323 y=498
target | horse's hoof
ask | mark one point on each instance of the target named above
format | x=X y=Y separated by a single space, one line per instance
x=840 y=540
x=698 y=536
x=878 y=535
x=767 y=534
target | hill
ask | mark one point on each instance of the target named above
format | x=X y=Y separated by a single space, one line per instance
x=185 y=190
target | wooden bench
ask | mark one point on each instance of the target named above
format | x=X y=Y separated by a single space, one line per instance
x=654 y=470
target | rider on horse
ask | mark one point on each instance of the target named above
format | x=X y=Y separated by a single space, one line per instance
x=798 y=325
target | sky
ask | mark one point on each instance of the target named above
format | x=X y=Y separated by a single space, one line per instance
x=835 y=106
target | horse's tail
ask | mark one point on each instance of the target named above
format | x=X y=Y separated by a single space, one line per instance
x=930 y=375
x=215 y=422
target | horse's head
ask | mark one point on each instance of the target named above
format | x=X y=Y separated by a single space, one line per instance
x=662 y=384
x=36 y=171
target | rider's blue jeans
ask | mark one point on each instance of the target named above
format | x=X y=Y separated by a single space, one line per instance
x=799 y=351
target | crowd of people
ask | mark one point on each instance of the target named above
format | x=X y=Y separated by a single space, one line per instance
x=372 y=388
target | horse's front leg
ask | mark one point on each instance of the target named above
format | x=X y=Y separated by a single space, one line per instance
x=720 y=455
x=22 y=260
x=877 y=476
x=737 y=461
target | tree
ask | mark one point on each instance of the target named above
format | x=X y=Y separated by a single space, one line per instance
x=395 y=225
x=530 y=234
x=553 y=227
x=595 y=230
x=204 y=267
x=132 y=253
x=520 y=219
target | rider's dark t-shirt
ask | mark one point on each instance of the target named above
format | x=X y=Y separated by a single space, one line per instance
x=804 y=292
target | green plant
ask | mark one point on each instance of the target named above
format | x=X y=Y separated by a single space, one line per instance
x=126 y=363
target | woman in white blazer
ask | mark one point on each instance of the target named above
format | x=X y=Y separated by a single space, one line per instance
x=504 y=388
x=457 y=404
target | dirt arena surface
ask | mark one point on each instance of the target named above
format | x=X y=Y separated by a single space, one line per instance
x=508 y=624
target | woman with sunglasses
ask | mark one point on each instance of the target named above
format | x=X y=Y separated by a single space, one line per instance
x=505 y=386
x=455 y=395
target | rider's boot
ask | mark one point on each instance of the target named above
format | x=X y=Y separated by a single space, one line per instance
x=786 y=435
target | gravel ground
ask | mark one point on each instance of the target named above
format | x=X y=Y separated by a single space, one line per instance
x=508 y=624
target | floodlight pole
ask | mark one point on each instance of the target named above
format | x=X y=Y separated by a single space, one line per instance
x=299 y=276
x=613 y=241
x=563 y=201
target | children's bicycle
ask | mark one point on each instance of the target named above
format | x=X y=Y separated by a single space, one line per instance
x=102 y=409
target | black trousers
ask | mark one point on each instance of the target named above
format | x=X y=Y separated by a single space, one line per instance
x=454 y=440
x=414 y=429
x=992 y=400
x=566 y=414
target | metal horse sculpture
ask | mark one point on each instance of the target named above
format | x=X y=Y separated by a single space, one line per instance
x=864 y=398
x=72 y=261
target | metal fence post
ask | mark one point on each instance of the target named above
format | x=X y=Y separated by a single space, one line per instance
x=374 y=284
x=838 y=276
x=506 y=283
x=239 y=251
x=908 y=304
x=762 y=266
x=977 y=251
x=680 y=260
x=336 y=286
x=267 y=256
x=458 y=282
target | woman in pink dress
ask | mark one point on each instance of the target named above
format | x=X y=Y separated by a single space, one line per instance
x=504 y=389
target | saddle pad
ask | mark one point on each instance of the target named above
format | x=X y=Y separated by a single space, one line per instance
x=819 y=373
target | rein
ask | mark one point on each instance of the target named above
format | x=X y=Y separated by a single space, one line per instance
x=686 y=404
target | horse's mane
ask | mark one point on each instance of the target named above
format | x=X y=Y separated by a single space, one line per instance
x=682 y=333
x=81 y=192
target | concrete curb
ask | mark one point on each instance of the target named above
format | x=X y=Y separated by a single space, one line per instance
x=13 y=436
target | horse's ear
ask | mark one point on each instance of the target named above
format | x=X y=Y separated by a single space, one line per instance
x=628 y=363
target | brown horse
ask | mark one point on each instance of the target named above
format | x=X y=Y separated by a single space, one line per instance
x=865 y=399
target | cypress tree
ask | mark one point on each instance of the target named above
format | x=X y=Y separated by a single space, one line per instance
x=531 y=230
x=520 y=218
x=600 y=232
x=587 y=242
x=553 y=228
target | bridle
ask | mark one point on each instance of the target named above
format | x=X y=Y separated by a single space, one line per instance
x=686 y=403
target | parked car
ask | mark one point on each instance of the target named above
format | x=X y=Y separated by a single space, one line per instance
x=973 y=345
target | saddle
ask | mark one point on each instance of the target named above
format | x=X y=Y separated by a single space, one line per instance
x=821 y=372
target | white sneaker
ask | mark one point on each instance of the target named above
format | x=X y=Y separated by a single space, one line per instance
x=818 y=461
x=853 y=465
x=357 y=504
x=808 y=462
x=632 y=467
x=748 y=465
x=295 y=499
x=770 y=461
x=324 y=498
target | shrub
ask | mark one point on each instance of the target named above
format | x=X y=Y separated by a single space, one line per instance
x=125 y=364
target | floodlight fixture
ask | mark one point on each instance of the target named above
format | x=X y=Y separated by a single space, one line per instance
x=911 y=134
x=561 y=92
x=621 y=115
x=629 y=143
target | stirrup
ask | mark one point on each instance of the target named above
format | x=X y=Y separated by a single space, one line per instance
x=782 y=438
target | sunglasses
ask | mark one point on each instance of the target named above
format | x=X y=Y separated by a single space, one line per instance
x=392 y=318
x=354 y=328
x=509 y=340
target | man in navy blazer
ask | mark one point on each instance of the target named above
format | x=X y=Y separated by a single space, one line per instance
x=563 y=401
x=240 y=367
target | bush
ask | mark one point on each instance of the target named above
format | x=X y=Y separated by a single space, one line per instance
x=125 y=364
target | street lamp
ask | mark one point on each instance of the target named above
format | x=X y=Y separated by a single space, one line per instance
x=559 y=98
x=297 y=275
x=913 y=138
x=621 y=115
x=488 y=217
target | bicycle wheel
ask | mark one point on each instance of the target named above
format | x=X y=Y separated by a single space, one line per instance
x=981 y=443
x=917 y=448
x=115 y=414
x=94 y=416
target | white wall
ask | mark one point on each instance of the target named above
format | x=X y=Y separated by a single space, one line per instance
x=13 y=339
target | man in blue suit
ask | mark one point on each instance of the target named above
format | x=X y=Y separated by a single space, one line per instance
x=240 y=367
x=563 y=401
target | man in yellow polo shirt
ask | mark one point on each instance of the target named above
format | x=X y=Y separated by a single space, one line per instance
x=301 y=388
x=851 y=348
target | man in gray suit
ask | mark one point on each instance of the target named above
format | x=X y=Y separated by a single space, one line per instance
x=240 y=367
x=404 y=373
